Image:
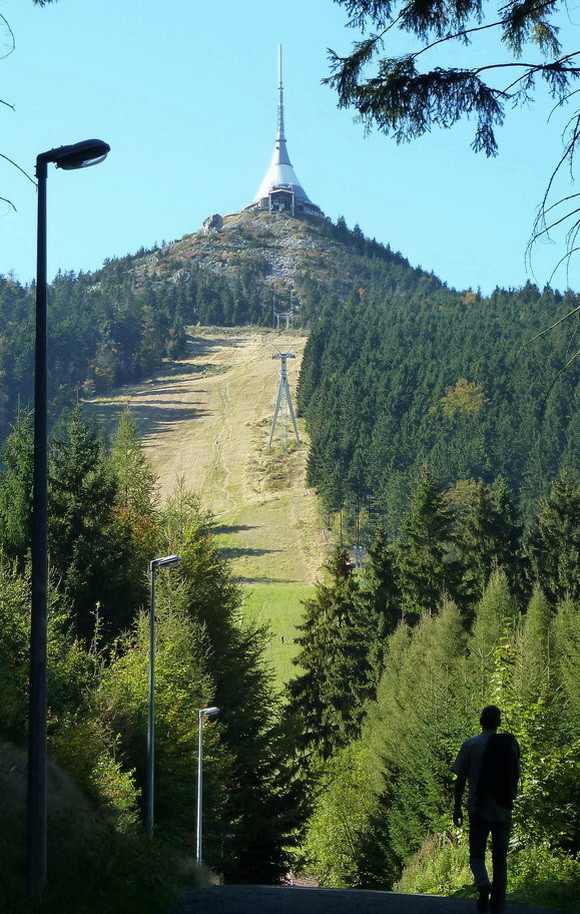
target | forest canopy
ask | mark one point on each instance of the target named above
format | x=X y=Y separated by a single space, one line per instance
x=390 y=382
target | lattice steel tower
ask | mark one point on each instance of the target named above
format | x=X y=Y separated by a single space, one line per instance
x=284 y=400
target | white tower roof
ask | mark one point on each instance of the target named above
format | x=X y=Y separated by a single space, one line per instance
x=280 y=174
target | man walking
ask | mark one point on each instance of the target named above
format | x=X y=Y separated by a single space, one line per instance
x=490 y=763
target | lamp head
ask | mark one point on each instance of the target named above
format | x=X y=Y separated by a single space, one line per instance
x=165 y=562
x=208 y=712
x=78 y=155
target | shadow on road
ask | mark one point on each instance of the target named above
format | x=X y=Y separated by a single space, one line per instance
x=233 y=899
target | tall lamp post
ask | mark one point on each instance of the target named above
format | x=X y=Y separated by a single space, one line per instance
x=79 y=155
x=203 y=712
x=165 y=562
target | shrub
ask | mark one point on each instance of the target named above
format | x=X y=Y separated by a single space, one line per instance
x=546 y=877
x=91 y=867
x=440 y=867
x=537 y=874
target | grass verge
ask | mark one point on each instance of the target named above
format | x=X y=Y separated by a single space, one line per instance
x=92 y=868
x=538 y=875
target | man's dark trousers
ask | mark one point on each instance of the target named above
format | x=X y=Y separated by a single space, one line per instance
x=479 y=831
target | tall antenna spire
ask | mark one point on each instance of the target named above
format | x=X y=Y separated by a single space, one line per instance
x=281 y=156
x=280 y=132
x=280 y=190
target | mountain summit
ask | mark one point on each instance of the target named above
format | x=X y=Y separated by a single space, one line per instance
x=258 y=259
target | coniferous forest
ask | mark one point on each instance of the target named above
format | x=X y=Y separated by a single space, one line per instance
x=444 y=440
x=115 y=326
x=463 y=383
x=105 y=524
x=396 y=662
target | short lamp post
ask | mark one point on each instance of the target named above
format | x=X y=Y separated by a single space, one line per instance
x=167 y=562
x=203 y=712
x=79 y=155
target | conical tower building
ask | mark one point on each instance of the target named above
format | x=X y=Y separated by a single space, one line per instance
x=280 y=190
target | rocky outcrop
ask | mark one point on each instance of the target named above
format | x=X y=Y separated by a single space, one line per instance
x=282 y=250
x=212 y=224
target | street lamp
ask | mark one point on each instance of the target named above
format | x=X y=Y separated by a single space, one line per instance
x=165 y=562
x=80 y=155
x=203 y=712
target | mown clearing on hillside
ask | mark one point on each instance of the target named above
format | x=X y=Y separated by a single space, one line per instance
x=206 y=419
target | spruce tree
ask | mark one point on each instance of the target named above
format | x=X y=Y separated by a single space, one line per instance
x=336 y=639
x=567 y=641
x=534 y=672
x=183 y=684
x=380 y=594
x=417 y=724
x=427 y=568
x=260 y=804
x=91 y=564
x=491 y=646
x=135 y=510
x=489 y=537
x=16 y=490
x=136 y=481
x=555 y=543
x=545 y=718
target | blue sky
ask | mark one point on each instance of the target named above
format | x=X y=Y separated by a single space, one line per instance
x=185 y=93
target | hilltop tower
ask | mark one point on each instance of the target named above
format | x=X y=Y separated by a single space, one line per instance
x=280 y=190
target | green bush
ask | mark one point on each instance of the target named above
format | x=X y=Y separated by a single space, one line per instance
x=440 y=867
x=91 y=866
x=342 y=847
x=547 y=878
x=537 y=875
x=88 y=754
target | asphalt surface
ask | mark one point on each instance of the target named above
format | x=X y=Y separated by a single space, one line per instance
x=249 y=899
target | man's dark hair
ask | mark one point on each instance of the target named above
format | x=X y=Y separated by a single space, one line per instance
x=490 y=718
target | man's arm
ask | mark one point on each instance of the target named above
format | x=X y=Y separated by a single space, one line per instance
x=459 y=788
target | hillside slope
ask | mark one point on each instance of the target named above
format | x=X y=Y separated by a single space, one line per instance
x=116 y=325
x=206 y=419
x=283 y=252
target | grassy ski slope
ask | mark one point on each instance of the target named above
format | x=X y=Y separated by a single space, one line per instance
x=206 y=418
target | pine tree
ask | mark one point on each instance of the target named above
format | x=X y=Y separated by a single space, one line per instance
x=16 y=490
x=427 y=569
x=555 y=542
x=336 y=639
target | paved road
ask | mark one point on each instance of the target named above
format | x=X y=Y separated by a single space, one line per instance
x=233 y=899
